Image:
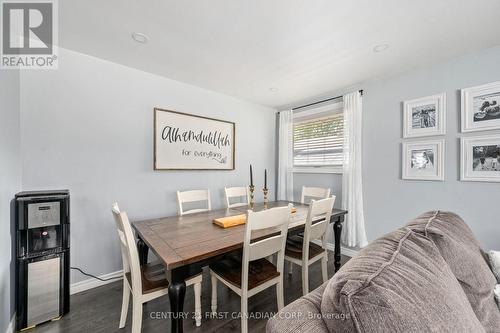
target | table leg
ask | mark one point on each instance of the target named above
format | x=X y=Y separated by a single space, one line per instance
x=176 y=293
x=143 y=250
x=337 y=230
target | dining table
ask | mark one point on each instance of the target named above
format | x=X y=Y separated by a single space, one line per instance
x=185 y=244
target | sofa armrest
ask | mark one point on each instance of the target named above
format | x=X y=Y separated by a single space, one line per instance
x=301 y=315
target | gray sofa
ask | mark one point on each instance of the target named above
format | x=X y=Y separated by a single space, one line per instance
x=429 y=276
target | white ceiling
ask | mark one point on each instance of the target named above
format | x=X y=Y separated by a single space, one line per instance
x=302 y=47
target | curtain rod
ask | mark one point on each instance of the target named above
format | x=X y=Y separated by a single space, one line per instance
x=322 y=101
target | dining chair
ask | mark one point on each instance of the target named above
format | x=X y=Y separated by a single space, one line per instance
x=237 y=192
x=193 y=196
x=301 y=251
x=314 y=193
x=311 y=193
x=251 y=273
x=146 y=282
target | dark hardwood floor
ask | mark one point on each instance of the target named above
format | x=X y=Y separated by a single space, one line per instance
x=98 y=310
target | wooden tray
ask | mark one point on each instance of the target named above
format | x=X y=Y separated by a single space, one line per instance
x=231 y=221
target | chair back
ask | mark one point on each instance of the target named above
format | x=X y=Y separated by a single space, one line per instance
x=237 y=192
x=314 y=193
x=318 y=219
x=130 y=256
x=277 y=218
x=193 y=196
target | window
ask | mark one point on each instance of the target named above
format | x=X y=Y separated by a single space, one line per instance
x=317 y=141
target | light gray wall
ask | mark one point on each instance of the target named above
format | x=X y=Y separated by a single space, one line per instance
x=331 y=180
x=10 y=183
x=390 y=201
x=88 y=127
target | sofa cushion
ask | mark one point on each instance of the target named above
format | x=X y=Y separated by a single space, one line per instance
x=398 y=283
x=302 y=315
x=462 y=252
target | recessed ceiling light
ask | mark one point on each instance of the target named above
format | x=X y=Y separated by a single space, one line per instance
x=139 y=37
x=273 y=89
x=380 y=47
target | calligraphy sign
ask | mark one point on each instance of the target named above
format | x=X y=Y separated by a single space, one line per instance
x=188 y=142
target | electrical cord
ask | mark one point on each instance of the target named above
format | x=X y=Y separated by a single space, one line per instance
x=96 y=277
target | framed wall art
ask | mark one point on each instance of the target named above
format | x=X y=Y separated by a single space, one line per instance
x=188 y=142
x=424 y=116
x=480 y=158
x=481 y=107
x=423 y=160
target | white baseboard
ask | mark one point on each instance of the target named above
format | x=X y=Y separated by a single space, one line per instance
x=80 y=286
x=12 y=325
x=91 y=283
x=343 y=250
x=348 y=252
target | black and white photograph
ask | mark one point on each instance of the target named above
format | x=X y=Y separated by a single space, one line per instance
x=480 y=160
x=481 y=107
x=424 y=116
x=423 y=160
x=486 y=158
x=487 y=107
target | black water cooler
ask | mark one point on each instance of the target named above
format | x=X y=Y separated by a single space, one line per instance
x=42 y=256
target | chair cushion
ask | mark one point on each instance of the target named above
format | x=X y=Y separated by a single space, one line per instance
x=294 y=248
x=398 y=283
x=153 y=277
x=461 y=251
x=259 y=271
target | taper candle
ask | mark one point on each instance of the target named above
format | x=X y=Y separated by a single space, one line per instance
x=251 y=176
x=265 y=178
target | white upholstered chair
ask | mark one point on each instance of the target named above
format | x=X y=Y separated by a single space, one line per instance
x=253 y=273
x=146 y=282
x=314 y=193
x=237 y=192
x=301 y=251
x=193 y=196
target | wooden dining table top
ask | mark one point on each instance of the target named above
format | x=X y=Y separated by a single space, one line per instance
x=182 y=240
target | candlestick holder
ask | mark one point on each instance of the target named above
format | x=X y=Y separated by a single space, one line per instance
x=252 y=189
x=266 y=200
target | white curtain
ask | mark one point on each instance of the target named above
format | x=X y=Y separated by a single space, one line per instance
x=285 y=156
x=353 y=233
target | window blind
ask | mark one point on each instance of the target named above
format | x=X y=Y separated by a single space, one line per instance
x=318 y=142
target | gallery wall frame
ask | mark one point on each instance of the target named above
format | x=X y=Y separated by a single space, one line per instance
x=184 y=141
x=424 y=116
x=480 y=107
x=423 y=160
x=480 y=158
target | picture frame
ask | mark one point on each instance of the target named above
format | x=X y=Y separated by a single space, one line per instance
x=480 y=158
x=423 y=160
x=185 y=141
x=480 y=107
x=424 y=116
